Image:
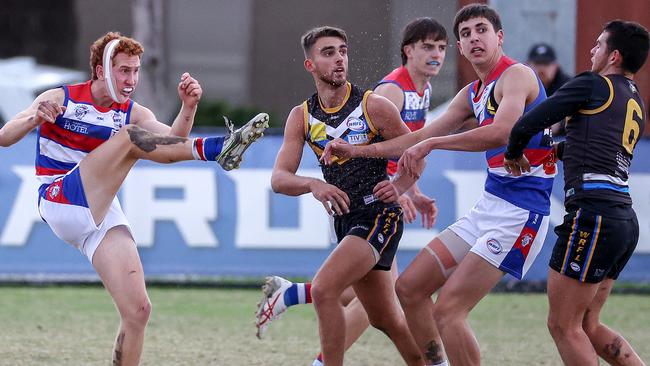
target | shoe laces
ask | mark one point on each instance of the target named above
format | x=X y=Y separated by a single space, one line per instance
x=267 y=311
x=229 y=124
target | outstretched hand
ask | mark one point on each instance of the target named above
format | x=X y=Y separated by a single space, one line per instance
x=47 y=111
x=386 y=192
x=412 y=161
x=516 y=166
x=408 y=208
x=427 y=208
x=189 y=90
x=333 y=199
x=337 y=147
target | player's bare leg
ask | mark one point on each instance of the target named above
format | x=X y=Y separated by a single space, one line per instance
x=116 y=260
x=349 y=262
x=568 y=301
x=609 y=344
x=103 y=171
x=470 y=282
x=347 y=296
x=356 y=318
x=573 y=321
x=356 y=321
x=415 y=286
x=279 y=294
x=105 y=168
x=118 y=264
x=352 y=261
x=376 y=291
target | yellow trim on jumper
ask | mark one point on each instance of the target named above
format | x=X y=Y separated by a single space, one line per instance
x=305 y=117
x=365 y=112
x=345 y=100
x=607 y=103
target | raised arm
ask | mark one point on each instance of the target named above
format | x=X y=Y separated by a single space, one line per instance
x=45 y=108
x=189 y=92
x=587 y=90
x=518 y=85
x=450 y=121
x=571 y=97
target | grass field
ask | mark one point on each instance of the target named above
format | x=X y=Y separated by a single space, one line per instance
x=76 y=326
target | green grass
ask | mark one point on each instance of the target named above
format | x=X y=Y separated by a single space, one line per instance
x=76 y=326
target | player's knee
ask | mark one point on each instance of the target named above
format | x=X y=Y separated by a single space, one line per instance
x=125 y=131
x=124 y=134
x=406 y=293
x=322 y=293
x=137 y=314
x=443 y=314
x=384 y=322
x=590 y=325
x=556 y=326
x=379 y=323
x=143 y=312
x=439 y=317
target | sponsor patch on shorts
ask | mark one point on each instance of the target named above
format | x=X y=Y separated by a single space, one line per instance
x=494 y=246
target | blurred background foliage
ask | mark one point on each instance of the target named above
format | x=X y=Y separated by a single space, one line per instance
x=210 y=114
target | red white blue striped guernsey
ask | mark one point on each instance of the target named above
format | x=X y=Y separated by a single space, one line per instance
x=415 y=104
x=530 y=191
x=78 y=131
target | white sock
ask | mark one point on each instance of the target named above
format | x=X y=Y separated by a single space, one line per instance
x=317 y=362
x=444 y=363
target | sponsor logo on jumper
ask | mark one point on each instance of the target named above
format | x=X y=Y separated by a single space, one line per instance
x=355 y=124
x=75 y=127
x=369 y=199
x=117 y=121
x=358 y=138
x=80 y=111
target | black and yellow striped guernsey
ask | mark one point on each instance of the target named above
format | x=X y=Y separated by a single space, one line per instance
x=350 y=121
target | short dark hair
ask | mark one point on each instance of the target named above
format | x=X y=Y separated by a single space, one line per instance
x=476 y=10
x=631 y=40
x=311 y=36
x=421 y=29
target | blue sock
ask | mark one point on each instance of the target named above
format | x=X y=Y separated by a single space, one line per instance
x=207 y=148
x=298 y=293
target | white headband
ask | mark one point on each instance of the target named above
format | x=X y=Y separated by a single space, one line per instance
x=108 y=66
